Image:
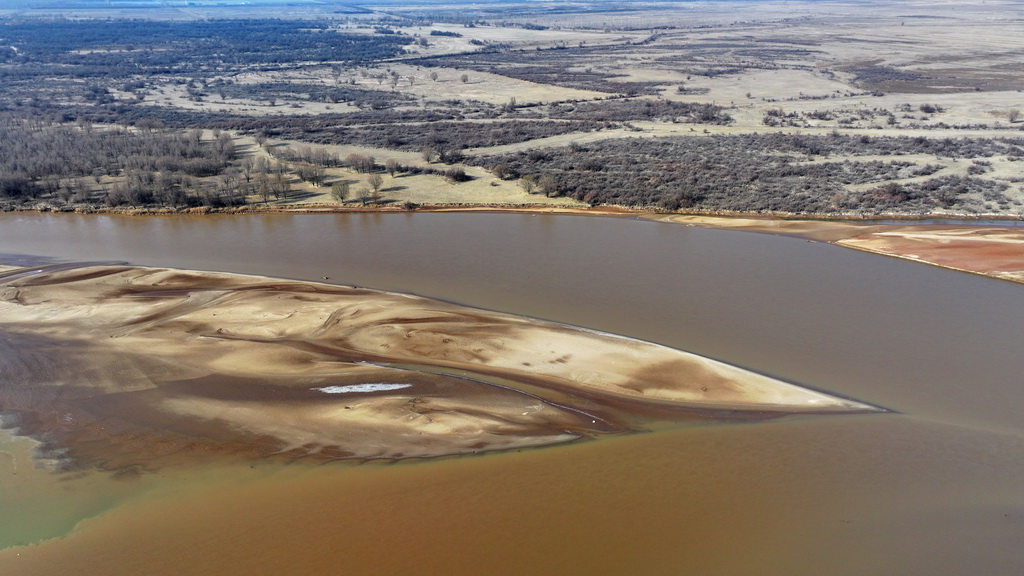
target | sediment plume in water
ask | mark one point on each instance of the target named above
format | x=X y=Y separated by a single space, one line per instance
x=130 y=368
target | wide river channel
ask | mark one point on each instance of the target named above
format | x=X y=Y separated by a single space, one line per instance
x=933 y=487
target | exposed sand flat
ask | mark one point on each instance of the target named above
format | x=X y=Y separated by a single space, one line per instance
x=992 y=251
x=815 y=229
x=126 y=366
x=988 y=250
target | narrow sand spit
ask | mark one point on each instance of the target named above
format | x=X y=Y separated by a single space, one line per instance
x=122 y=366
x=992 y=251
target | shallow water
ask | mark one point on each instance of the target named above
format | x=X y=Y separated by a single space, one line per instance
x=931 y=489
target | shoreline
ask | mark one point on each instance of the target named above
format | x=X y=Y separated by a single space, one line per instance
x=601 y=210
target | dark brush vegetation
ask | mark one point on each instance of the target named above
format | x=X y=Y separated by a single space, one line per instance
x=555 y=66
x=57 y=63
x=121 y=48
x=471 y=125
x=871 y=75
x=454 y=125
x=950 y=192
x=757 y=173
x=625 y=110
x=710 y=59
x=442 y=136
x=363 y=98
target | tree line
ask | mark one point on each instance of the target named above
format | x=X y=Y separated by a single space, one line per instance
x=70 y=162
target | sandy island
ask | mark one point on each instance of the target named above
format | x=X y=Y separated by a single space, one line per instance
x=121 y=366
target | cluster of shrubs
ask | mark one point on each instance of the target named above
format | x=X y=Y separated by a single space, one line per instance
x=628 y=109
x=445 y=135
x=873 y=75
x=755 y=173
x=952 y=192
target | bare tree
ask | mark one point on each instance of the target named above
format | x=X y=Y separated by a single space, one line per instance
x=280 y=186
x=247 y=167
x=311 y=173
x=263 y=187
x=261 y=165
x=528 y=183
x=375 y=181
x=361 y=163
x=392 y=166
x=339 y=190
x=548 y=185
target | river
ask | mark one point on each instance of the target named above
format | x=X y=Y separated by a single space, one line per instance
x=933 y=487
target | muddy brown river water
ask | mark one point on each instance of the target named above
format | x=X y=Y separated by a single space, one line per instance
x=932 y=487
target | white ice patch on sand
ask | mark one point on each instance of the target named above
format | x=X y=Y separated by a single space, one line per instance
x=362 y=388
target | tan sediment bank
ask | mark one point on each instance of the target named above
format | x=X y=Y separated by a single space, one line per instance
x=121 y=367
x=994 y=251
x=990 y=251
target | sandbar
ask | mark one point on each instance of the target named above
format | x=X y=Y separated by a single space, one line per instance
x=119 y=367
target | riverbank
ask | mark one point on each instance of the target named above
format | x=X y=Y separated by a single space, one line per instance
x=525 y=207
